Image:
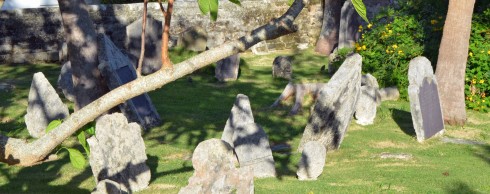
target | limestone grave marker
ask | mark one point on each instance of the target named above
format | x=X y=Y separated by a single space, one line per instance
x=227 y=68
x=241 y=114
x=423 y=94
x=65 y=81
x=44 y=106
x=312 y=161
x=117 y=153
x=335 y=106
x=282 y=67
x=118 y=70
x=366 y=106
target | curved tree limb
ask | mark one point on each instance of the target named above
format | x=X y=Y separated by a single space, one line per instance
x=20 y=152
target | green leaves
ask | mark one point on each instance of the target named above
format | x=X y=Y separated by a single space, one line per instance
x=360 y=8
x=76 y=158
x=209 y=6
x=83 y=141
x=236 y=2
x=53 y=124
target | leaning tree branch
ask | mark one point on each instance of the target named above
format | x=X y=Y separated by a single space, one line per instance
x=22 y=153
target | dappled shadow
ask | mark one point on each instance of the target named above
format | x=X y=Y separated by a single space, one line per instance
x=460 y=187
x=404 y=120
x=483 y=152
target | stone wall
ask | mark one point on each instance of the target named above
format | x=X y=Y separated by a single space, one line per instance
x=32 y=35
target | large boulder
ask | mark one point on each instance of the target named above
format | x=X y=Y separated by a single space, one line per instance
x=44 y=106
x=333 y=111
x=117 y=153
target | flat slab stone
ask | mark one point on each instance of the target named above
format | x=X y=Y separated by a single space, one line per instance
x=241 y=114
x=335 y=106
x=282 y=67
x=118 y=70
x=117 y=153
x=65 y=81
x=423 y=94
x=215 y=171
x=312 y=161
x=43 y=107
x=252 y=148
x=194 y=38
x=227 y=68
x=366 y=106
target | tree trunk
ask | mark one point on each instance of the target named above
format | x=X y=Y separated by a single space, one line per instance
x=451 y=63
x=329 y=35
x=20 y=152
x=81 y=39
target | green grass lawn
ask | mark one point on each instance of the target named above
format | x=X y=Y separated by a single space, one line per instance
x=195 y=108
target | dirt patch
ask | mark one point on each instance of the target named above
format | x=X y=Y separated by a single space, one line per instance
x=387 y=144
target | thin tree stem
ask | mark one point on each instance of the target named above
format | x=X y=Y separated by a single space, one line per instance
x=166 y=63
x=143 y=33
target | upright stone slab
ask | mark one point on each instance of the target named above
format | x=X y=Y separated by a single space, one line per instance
x=118 y=70
x=241 y=114
x=43 y=107
x=366 y=106
x=227 y=68
x=349 y=24
x=215 y=172
x=65 y=81
x=312 y=161
x=335 y=106
x=282 y=67
x=109 y=187
x=424 y=99
x=252 y=148
x=369 y=80
x=194 y=38
x=117 y=153
x=153 y=41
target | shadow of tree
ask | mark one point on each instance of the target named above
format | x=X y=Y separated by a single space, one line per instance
x=404 y=120
x=460 y=187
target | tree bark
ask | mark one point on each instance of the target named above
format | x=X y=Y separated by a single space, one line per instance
x=451 y=62
x=81 y=39
x=20 y=152
x=329 y=35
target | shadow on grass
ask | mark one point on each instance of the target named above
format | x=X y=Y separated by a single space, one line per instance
x=404 y=120
x=460 y=187
x=484 y=154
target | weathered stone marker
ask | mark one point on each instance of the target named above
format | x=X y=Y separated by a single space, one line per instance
x=312 y=161
x=424 y=99
x=366 y=106
x=227 y=68
x=241 y=114
x=335 y=106
x=65 y=81
x=282 y=67
x=118 y=70
x=153 y=40
x=215 y=172
x=194 y=38
x=117 y=153
x=252 y=148
x=43 y=107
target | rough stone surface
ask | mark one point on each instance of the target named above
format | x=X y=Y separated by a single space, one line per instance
x=215 y=172
x=194 y=38
x=349 y=24
x=366 y=106
x=389 y=93
x=424 y=99
x=118 y=70
x=241 y=114
x=153 y=44
x=369 y=80
x=43 y=107
x=65 y=81
x=335 y=106
x=282 y=67
x=107 y=186
x=227 y=68
x=252 y=148
x=312 y=161
x=117 y=153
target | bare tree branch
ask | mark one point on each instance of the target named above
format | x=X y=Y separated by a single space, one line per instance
x=20 y=152
x=166 y=63
x=143 y=33
x=161 y=8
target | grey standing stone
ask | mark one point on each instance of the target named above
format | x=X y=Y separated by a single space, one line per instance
x=109 y=187
x=349 y=24
x=44 y=106
x=389 y=93
x=369 y=80
x=227 y=68
x=117 y=153
x=366 y=106
x=194 y=38
x=215 y=171
x=241 y=114
x=117 y=69
x=7 y=87
x=282 y=67
x=312 y=161
x=333 y=111
x=424 y=99
x=252 y=148
x=65 y=81
x=153 y=41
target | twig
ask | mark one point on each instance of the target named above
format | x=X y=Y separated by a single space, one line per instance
x=143 y=32
x=166 y=63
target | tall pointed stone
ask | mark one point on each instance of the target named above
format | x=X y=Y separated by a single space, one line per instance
x=241 y=114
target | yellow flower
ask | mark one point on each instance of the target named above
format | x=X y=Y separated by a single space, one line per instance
x=362 y=36
x=358 y=48
x=395 y=46
x=433 y=22
x=440 y=17
x=400 y=52
x=389 y=31
x=471 y=99
x=473 y=81
x=483 y=100
x=360 y=30
x=488 y=52
x=471 y=54
x=357 y=44
x=363 y=47
x=360 y=27
x=482 y=81
x=369 y=26
x=386 y=28
x=387 y=51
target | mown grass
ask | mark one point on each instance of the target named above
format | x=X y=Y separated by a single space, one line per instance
x=195 y=108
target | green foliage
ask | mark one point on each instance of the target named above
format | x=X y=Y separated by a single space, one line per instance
x=477 y=86
x=76 y=158
x=209 y=6
x=53 y=124
x=360 y=9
